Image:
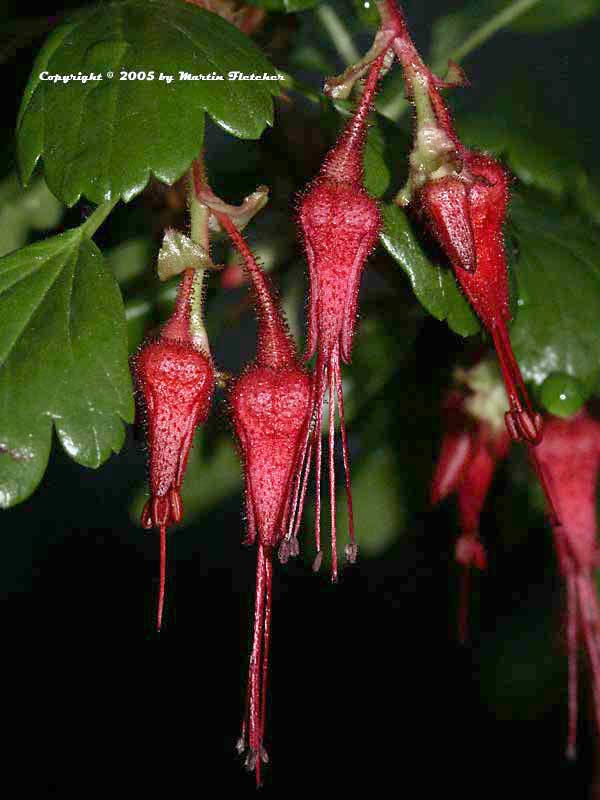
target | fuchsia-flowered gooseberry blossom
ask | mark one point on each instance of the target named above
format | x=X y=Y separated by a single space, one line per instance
x=270 y=407
x=340 y=225
x=175 y=380
x=475 y=440
x=570 y=455
x=462 y=196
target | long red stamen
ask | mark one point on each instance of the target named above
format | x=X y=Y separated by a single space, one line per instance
x=300 y=483
x=318 y=456
x=258 y=668
x=523 y=421
x=303 y=489
x=351 y=549
x=266 y=647
x=332 y=503
x=163 y=576
x=572 y=625
x=588 y=614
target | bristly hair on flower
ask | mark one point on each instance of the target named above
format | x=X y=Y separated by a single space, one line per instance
x=462 y=197
x=270 y=405
x=175 y=380
x=340 y=225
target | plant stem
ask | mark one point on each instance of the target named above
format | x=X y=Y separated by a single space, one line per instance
x=97 y=217
x=199 y=215
x=489 y=28
x=338 y=33
x=397 y=107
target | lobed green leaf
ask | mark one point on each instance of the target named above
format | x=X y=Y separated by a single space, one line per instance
x=105 y=138
x=63 y=360
x=433 y=285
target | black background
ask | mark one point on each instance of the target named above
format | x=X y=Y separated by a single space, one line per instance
x=369 y=691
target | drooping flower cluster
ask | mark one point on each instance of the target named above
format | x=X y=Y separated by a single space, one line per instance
x=475 y=441
x=461 y=196
x=276 y=405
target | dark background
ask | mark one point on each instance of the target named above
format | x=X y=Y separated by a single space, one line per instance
x=368 y=689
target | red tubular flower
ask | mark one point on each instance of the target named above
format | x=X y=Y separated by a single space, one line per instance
x=270 y=407
x=175 y=381
x=475 y=441
x=570 y=455
x=461 y=195
x=340 y=225
x=466 y=215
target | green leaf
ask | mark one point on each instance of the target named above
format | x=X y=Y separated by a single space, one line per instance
x=367 y=12
x=377 y=172
x=539 y=151
x=63 y=360
x=129 y=260
x=104 y=138
x=434 y=286
x=285 y=6
x=24 y=210
x=587 y=195
x=557 y=274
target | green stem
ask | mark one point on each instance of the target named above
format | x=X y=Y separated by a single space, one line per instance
x=97 y=217
x=199 y=233
x=338 y=33
x=492 y=26
x=398 y=106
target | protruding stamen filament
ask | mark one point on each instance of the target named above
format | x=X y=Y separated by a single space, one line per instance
x=352 y=548
x=163 y=576
x=521 y=421
x=253 y=724
x=332 y=503
x=318 y=457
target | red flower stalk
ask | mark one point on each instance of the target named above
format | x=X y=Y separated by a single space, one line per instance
x=270 y=406
x=340 y=224
x=570 y=455
x=462 y=196
x=475 y=441
x=175 y=380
